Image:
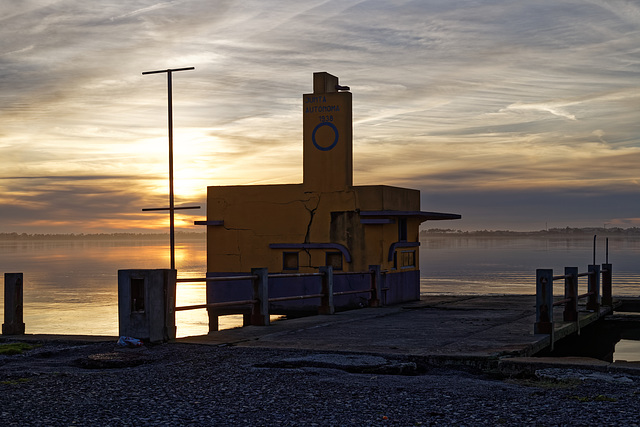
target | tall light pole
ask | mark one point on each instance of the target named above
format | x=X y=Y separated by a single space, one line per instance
x=171 y=207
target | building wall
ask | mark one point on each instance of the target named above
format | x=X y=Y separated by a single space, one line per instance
x=254 y=217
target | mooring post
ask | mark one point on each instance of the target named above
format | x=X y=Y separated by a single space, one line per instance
x=570 y=313
x=593 y=301
x=326 y=302
x=607 y=298
x=544 y=301
x=376 y=286
x=13 y=319
x=260 y=309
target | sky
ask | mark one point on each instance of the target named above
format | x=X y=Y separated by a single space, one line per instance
x=515 y=114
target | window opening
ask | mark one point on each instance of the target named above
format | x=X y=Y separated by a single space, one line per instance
x=290 y=261
x=137 y=295
x=408 y=259
x=402 y=229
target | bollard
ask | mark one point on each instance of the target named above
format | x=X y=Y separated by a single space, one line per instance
x=326 y=302
x=570 y=313
x=544 y=302
x=13 y=304
x=593 y=301
x=607 y=298
x=376 y=286
x=260 y=309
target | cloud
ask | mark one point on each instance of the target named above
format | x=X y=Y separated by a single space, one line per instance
x=556 y=109
x=448 y=96
x=145 y=9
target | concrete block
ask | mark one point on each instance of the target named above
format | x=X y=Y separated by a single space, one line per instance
x=146 y=304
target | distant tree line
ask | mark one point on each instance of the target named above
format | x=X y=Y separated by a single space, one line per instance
x=102 y=236
x=586 y=231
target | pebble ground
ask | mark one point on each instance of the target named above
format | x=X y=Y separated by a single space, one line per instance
x=185 y=384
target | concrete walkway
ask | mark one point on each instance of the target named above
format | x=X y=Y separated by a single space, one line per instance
x=446 y=326
x=487 y=332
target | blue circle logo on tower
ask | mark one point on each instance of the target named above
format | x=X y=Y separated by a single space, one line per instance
x=335 y=139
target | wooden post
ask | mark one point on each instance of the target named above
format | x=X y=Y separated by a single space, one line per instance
x=326 y=302
x=593 y=301
x=13 y=304
x=376 y=286
x=544 y=301
x=607 y=298
x=260 y=310
x=570 y=313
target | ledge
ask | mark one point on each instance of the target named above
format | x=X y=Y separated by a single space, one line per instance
x=208 y=222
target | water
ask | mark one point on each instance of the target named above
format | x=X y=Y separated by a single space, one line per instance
x=70 y=286
x=507 y=265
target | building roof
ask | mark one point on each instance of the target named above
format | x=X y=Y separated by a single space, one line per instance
x=421 y=215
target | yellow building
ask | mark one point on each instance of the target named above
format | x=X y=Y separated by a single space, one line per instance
x=326 y=220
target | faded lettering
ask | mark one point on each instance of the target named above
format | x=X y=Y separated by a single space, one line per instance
x=322 y=109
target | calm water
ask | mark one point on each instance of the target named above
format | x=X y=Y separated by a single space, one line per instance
x=70 y=286
x=507 y=265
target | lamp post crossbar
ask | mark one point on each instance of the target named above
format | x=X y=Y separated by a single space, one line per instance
x=166 y=209
x=171 y=207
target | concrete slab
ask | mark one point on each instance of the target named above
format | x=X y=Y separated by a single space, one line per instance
x=58 y=338
x=472 y=326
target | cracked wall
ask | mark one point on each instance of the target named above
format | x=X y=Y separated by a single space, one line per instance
x=256 y=216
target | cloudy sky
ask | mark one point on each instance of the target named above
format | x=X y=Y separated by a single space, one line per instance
x=515 y=114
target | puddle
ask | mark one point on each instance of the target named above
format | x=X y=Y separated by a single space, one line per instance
x=627 y=350
x=615 y=339
x=627 y=328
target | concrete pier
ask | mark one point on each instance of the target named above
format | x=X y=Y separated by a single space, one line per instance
x=472 y=330
x=486 y=332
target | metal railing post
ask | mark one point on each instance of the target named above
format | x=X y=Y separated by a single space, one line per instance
x=570 y=313
x=544 y=301
x=376 y=286
x=13 y=305
x=214 y=320
x=593 y=301
x=326 y=302
x=607 y=298
x=260 y=309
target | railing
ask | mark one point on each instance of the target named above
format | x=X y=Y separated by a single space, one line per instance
x=545 y=297
x=258 y=304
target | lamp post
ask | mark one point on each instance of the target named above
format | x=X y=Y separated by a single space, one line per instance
x=171 y=207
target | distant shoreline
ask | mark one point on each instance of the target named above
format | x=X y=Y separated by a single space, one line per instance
x=552 y=232
x=184 y=235
x=432 y=232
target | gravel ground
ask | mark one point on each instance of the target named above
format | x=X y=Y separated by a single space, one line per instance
x=185 y=384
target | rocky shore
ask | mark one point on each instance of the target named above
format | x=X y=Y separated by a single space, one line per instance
x=185 y=384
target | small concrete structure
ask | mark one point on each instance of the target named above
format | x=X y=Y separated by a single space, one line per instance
x=146 y=304
x=13 y=305
x=324 y=221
